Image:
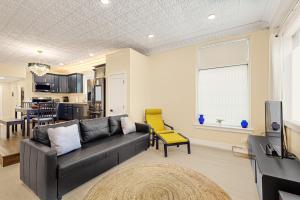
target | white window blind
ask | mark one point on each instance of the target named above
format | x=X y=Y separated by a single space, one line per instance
x=294 y=78
x=224 y=54
x=223 y=93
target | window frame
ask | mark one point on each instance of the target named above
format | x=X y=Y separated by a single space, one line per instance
x=225 y=127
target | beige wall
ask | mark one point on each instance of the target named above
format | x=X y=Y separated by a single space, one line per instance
x=135 y=66
x=116 y=63
x=172 y=87
x=293 y=141
x=139 y=84
x=167 y=80
x=13 y=71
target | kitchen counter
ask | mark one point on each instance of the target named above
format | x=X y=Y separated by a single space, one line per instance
x=76 y=103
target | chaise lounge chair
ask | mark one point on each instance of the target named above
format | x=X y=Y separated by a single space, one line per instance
x=169 y=137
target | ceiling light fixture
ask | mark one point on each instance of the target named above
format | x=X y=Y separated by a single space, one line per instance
x=2 y=77
x=61 y=64
x=38 y=68
x=151 y=36
x=81 y=61
x=91 y=54
x=105 y=2
x=211 y=17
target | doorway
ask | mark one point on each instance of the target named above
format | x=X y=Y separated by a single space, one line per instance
x=117 y=94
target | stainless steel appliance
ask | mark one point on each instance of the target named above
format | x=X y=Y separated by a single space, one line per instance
x=42 y=87
x=41 y=99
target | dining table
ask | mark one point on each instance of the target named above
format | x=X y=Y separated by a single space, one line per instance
x=29 y=112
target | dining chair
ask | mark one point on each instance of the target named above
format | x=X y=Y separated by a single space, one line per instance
x=45 y=114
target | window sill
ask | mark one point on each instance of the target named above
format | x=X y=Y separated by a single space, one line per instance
x=295 y=126
x=224 y=128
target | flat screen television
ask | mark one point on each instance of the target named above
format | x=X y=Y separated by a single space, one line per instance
x=274 y=128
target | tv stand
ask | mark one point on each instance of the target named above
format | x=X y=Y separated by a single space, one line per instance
x=272 y=174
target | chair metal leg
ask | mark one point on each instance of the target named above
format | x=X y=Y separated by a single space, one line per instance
x=157 y=143
x=166 y=150
x=7 y=131
x=23 y=129
x=189 y=148
x=13 y=128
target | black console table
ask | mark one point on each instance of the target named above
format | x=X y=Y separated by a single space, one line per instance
x=288 y=196
x=272 y=174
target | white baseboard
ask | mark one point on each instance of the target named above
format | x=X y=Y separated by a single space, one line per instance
x=209 y=143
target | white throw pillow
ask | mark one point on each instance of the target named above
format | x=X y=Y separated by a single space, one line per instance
x=127 y=125
x=64 y=139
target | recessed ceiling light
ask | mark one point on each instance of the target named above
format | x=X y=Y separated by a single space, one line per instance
x=61 y=64
x=105 y=2
x=91 y=54
x=2 y=77
x=81 y=61
x=212 y=16
x=151 y=36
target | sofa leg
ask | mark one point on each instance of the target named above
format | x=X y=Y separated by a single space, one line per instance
x=166 y=150
x=189 y=147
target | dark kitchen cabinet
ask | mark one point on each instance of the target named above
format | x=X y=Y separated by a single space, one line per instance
x=49 y=78
x=69 y=111
x=40 y=79
x=72 y=83
x=55 y=84
x=75 y=83
x=63 y=84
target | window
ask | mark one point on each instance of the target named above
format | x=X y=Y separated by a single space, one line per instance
x=223 y=95
x=223 y=85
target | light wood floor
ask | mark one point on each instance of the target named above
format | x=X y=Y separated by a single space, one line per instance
x=231 y=173
x=9 y=148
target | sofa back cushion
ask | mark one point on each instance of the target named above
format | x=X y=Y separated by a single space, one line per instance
x=115 y=124
x=92 y=129
x=40 y=133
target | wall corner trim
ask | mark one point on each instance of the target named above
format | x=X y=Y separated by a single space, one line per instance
x=212 y=144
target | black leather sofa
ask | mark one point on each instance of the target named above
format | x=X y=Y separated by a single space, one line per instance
x=103 y=146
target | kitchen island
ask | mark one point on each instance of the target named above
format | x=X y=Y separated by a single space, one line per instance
x=72 y=110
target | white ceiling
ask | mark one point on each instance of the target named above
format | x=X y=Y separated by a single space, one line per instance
x=68 y=30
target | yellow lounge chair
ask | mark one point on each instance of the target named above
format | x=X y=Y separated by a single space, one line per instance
x=169 y=137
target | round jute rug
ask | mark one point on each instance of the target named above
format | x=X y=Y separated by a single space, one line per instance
x=155 y=182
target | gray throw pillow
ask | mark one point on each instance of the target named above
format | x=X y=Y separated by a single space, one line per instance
x=64 y=139
x=127 y=125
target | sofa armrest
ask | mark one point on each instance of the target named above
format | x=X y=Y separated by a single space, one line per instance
x=38 y=166
x=144 y=128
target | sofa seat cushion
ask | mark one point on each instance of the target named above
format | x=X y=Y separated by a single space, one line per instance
x=92 y=152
